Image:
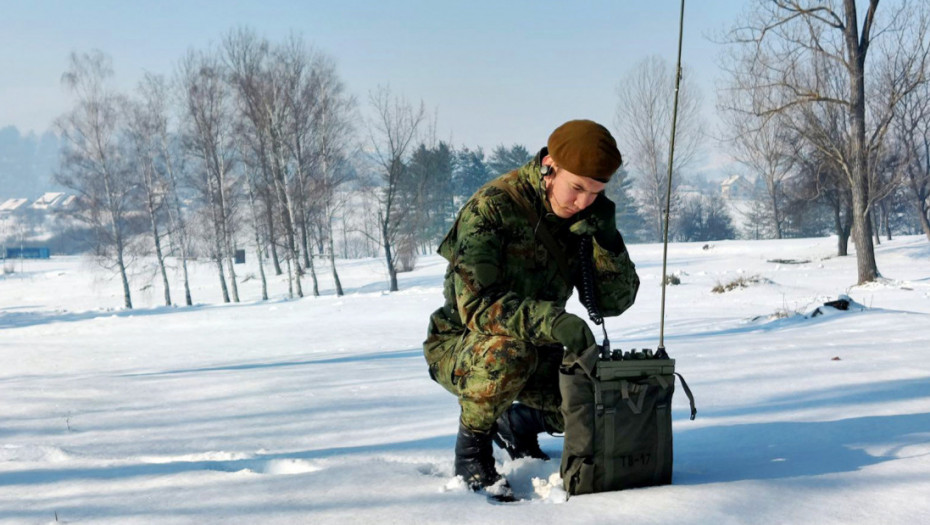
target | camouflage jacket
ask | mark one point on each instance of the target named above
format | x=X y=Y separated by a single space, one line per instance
x=503 y=281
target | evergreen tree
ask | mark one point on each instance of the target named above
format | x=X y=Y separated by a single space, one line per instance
x=430 y=182
x=505 y=159
x=704 y=218
x=471 y=172
x=630 y=223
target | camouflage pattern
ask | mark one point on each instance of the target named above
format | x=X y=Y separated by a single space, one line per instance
x=496 y=370
x=491 y=342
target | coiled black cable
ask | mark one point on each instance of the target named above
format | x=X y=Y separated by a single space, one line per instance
x=586 y=289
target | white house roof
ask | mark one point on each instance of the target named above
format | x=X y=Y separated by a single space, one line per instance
x=11 y=205
x=48 y=201
x=732 y=179
x=67 y=201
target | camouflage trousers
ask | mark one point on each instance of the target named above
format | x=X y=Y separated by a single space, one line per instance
x=489 y=373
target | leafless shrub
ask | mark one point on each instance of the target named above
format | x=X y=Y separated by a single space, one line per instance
x=740 y=282
x=788 y=261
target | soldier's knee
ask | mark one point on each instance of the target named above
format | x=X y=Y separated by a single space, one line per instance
x=491 y=372
x=494 y=368
x=502 y=356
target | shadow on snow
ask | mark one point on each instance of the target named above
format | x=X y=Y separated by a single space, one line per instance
x=26 y=319
x=723 y=453
x=706 y=455
x=256 y=464
x=792 y=449
x=392 y=354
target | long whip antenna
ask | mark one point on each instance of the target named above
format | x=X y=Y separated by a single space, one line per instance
x=668 y=193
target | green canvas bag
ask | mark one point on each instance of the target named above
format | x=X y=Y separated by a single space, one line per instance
x=618 y=422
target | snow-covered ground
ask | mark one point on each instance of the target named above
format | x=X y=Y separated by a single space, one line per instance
x=320 y=410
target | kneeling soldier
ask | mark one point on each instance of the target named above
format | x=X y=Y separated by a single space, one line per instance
x=500 y=336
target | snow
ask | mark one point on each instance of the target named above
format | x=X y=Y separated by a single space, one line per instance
x=320 y=410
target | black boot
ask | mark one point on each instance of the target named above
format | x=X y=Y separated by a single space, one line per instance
x=474 y=460
x=517 y=431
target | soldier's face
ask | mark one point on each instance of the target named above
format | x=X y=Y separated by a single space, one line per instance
x=568 y=193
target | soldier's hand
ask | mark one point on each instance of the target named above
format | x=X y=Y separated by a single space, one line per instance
x=572 y=332
x=601 y=222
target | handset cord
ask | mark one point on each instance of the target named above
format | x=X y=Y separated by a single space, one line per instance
x=586 y=290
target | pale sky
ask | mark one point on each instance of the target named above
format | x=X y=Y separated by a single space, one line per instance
x=501 y=72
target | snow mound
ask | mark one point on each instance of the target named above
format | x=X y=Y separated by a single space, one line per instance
x=33 y=453
x=550 y=490
x=193 y=458
x=456 y=484
x=843 y=304
x=287 y=467
x=883 y=283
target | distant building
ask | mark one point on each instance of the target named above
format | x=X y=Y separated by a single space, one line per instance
x=687 y=191
x=48 y=202
x=41 y=252
x=52 y=201
x=736 y=187
x=11 y=206
x=68 y=202
x=34 y=222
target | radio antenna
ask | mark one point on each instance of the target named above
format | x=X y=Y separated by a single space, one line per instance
x=668 y=193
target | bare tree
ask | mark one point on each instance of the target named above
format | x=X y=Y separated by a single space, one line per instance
x=821 y=133
x=246 y=56
x=332 y=132
x=145 y=122
x=359 y=217
x=93 y=164
x=790 y=48
x=392 y=132
x=766 y=149
x=256 y=225
x=293 y=64
x=643 y=121
x=155 y=93
x=912 y=134
x=260 y=85
x=820 y=178
x=209 y=121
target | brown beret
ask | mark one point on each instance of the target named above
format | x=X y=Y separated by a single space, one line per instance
x=585 y=148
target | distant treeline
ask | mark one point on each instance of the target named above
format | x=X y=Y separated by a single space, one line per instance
x=257 y=143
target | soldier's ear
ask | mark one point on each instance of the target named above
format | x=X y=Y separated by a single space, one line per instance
x=546 y=168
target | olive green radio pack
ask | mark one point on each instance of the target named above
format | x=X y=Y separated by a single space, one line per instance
x=618 y=420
